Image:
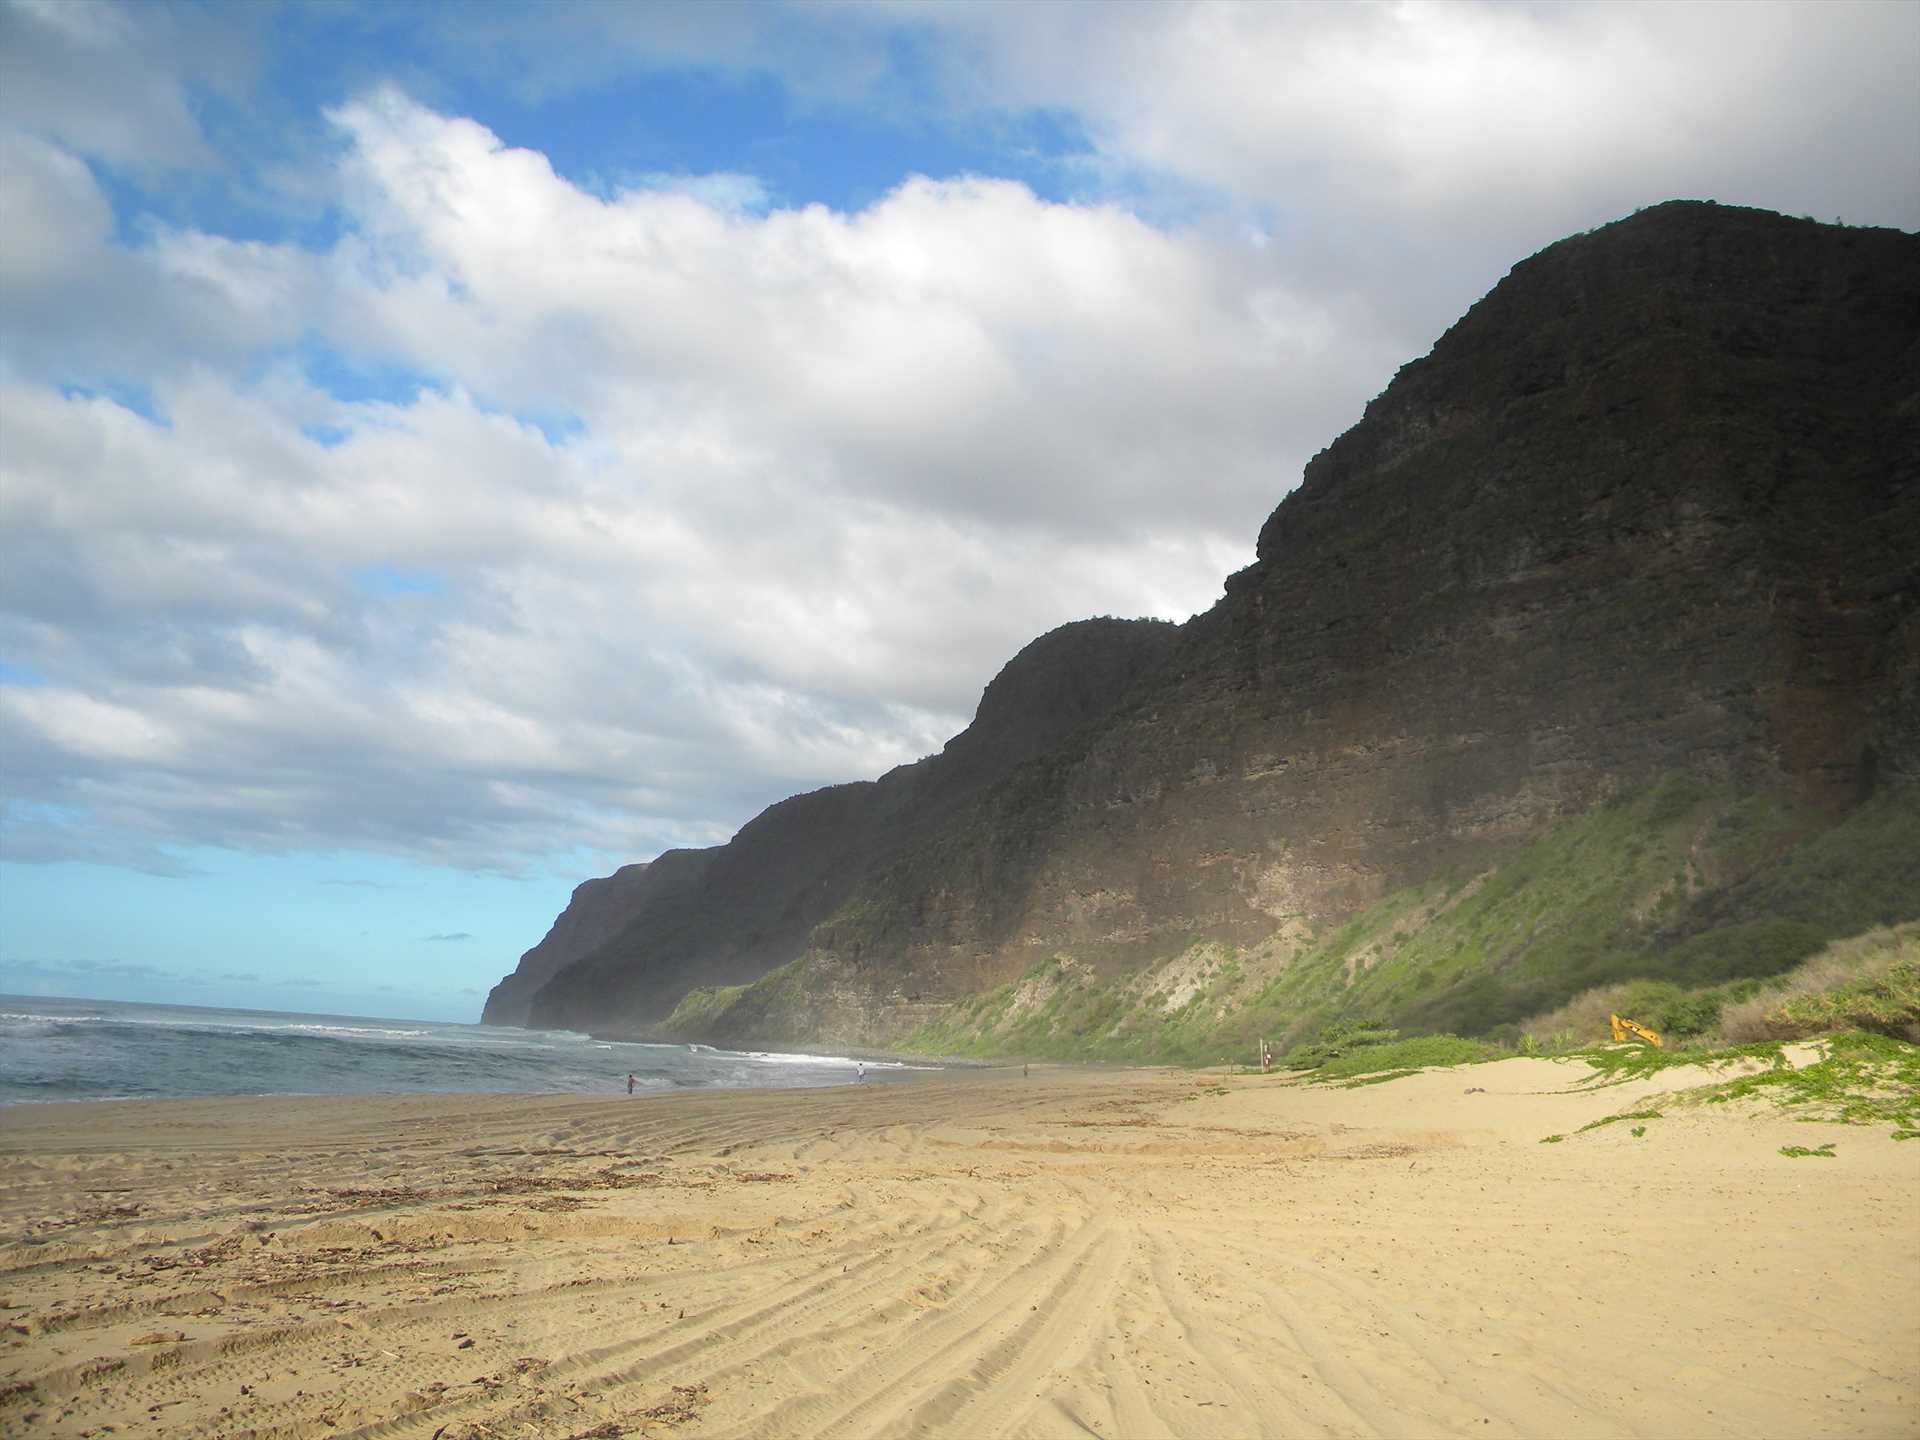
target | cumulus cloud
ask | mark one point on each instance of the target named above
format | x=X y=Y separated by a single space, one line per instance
x=1409 y=107
x=1451 y=137
x=54 y=209
x=852 y=353
x=1455 y=135
x=112 y=80
x=816 y=476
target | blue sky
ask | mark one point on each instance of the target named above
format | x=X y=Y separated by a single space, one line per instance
x=449 y=451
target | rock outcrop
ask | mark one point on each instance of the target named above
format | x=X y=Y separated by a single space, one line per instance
x=1652 y=507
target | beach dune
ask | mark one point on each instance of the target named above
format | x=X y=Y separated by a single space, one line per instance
x=1072 y=1253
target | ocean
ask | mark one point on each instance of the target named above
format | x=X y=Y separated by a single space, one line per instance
x=53 y=1049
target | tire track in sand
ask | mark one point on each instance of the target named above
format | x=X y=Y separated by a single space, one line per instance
x=998 y=1333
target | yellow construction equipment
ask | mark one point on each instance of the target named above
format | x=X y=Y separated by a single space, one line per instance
x=1625 y=1029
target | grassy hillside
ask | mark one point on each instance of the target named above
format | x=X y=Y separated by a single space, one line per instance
x=1678 y=900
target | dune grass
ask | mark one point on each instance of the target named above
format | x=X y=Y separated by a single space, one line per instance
x=1392 y=1057
x=1868 y=982
x=1863 y=1079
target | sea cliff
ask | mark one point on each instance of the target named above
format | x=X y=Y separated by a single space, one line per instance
x=1621 y=578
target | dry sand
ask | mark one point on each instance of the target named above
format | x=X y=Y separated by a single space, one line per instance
x=1079 y=1253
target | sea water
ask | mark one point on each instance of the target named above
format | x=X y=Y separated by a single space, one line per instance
x=52 y=1049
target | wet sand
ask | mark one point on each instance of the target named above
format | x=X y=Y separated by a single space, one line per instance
x=1079 y=1253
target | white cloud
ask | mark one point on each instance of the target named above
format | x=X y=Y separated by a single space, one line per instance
x=54 y=209
x=91 y=729
x=1418 y=110
x=110 y=79
x=1410 y=152
x=828 y=472
x=853 y=352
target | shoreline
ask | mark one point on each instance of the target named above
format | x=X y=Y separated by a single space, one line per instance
x=613 y=1090
x=902 y=1057
x=1122 y=1252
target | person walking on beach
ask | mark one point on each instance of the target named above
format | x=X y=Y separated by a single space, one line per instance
x=859 y=1071
x=629 y=1082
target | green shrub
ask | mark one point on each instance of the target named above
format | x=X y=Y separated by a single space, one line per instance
x=1405 y=1056
x=1335 y=1040
x=1868 y=982
x=1757 y=948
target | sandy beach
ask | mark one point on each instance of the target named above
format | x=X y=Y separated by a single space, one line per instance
x=1071 y=1253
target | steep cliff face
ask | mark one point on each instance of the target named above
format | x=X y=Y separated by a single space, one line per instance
x=595 y=914
x=732 y=913
x=1651 y=508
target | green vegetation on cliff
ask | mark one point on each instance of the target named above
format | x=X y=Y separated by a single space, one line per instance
x=775 y=1004
x=1870 y=982
x=1678 y=886
x=1676 y=901
x=699 y=1009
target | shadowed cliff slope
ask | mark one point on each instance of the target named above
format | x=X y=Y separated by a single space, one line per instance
x=633 y=944
x=1650 y=509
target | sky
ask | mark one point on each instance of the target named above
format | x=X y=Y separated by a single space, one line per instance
x=448 y=451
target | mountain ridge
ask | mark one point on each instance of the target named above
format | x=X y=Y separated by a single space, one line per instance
x=1649 y=508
